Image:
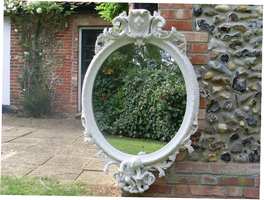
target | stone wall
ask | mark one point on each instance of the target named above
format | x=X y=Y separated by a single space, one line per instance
x=231 y=82
x=225 y=163
x=228 y=67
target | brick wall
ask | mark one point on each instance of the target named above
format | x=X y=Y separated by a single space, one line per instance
x=15 y=67
x=67 y=63
x=208 y=180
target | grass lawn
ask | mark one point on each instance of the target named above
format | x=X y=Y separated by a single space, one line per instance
x=134 y=145
x=39 y=186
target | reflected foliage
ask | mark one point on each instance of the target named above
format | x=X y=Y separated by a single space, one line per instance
x=139 y=92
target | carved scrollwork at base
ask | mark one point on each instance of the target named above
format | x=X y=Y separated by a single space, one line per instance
x=133 y=176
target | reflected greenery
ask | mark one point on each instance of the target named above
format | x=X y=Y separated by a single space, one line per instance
x=134 y=145
x=139 y=92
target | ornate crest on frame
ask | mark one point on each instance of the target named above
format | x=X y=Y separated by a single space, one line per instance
x=141 y=26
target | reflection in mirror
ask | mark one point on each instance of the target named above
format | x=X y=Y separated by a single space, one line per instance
x=139 y=98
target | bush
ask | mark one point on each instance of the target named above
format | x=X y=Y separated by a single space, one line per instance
x=37 y=102
x=143 y=97
x=108 y=11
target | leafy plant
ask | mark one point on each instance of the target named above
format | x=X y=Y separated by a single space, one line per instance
x=140 y=92
x=109 y=11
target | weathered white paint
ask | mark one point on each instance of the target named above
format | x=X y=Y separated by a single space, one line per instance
x=135 y=171
x=6 y=63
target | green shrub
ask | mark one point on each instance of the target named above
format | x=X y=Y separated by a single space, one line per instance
x=108 y=11
x=143 y=97
x=37 y=102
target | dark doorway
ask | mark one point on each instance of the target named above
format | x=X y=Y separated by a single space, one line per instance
x=87 y=44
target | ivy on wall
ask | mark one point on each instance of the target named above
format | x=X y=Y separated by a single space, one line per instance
x=37 y=24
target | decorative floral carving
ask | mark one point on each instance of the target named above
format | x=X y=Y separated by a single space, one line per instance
x=133 y=176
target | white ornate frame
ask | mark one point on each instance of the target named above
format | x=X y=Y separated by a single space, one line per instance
x=139 y=27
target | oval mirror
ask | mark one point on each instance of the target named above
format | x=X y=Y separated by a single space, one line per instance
x=139 y=98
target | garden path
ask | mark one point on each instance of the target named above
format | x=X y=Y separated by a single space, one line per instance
x=52 y=148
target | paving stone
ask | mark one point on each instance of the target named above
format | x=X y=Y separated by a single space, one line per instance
x=55 y=133
x=15 y=133
x=22 y=163
x=54 y=149
x=84 y=150
x=96 y=178
x=5 y=129
x=55 y=172
x=27 y=158
x=12 y=169
x=94 y=164
x=66 y=161
x=14 y=146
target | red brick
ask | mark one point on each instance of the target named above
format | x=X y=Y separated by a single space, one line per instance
x=165 y=189
x=239 y=181
x=196 y=36
x=173 y=5
x=185 y=25
x=177 y=14
x=209 y=180
x=234 y=192
x=257 y=181
x=198 y=48
x=251 y=192
x=176 y=178
x=180 y=190
x=202 y=102
x=161 y=181
x=205 y=190
x=198 y=59
x=228 y=181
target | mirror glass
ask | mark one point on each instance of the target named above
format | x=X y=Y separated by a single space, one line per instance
x=139 y=98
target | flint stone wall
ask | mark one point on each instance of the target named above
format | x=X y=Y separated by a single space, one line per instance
x=230 y=82
x=225 y=161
